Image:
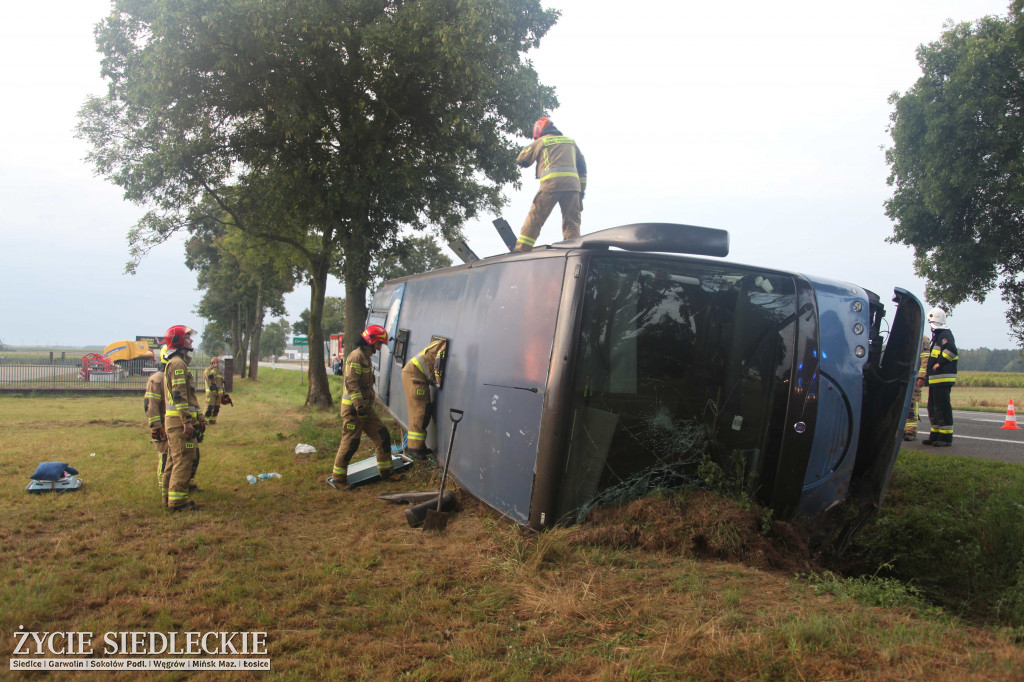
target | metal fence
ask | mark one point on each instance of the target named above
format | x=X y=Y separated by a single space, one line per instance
x=67 y=377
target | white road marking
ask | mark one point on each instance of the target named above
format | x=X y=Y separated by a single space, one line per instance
x=994 y=440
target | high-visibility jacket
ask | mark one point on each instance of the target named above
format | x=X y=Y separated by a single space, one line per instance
x=214 y=379
x=154 y=400
x=359 y=391
x=560 y=163
x=942 y=352
x=179 y=393
x=428 y=361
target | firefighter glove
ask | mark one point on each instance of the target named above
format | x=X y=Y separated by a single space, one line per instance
x=158 y=434
x=361 y=412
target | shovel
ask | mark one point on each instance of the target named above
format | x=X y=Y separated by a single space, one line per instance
x=437 y=519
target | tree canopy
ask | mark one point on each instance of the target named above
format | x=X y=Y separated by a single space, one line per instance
x=332 y=322
x=275 y=337
x=410 y=256
x=957 y=164
x=241 y=281
x=324 y=125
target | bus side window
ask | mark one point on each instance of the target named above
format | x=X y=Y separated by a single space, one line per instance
x=441 y=364
x=401 y=346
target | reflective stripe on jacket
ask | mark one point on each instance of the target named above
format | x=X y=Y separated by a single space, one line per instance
x=358 y=379
x=560 y=163
x=214 y=379
x=155 y=399
x=943 y=353
x=180 y=393
x=427 y=362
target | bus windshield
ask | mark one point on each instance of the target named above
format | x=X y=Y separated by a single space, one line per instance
x=677 y=361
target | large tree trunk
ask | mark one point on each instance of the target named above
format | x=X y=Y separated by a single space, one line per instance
x=319 y=388
x=254 y=335
x=243 y=347
x=356 y=271
x=236 y=336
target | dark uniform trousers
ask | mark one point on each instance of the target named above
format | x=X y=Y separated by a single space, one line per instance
x=940 y=411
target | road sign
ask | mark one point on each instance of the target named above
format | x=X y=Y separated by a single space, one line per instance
x=300 y=340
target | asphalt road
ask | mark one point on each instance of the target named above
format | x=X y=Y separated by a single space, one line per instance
x=977 y=434
x=287 y=365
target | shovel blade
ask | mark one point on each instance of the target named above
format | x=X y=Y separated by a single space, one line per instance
x=417 y=514
x=436 y=520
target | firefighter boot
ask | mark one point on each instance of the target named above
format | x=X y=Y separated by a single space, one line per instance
x=417 y=453
x=338 y=480
x=216 y=411
x=188 y=506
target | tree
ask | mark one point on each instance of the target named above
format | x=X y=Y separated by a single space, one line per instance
x=333 y=319
x=241 y=282
x=324 y=125
x=216 y=339
x=957 y=164
x=410 y=256
x=301 y=328
x=275 y=337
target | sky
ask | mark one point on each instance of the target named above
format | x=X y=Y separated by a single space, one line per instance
x=764 y=119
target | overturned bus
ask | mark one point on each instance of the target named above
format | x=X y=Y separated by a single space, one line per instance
x=580 y=367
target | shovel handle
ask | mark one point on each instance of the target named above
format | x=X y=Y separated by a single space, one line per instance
x=448 y=458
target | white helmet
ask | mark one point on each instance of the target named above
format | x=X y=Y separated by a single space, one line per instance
x=937 y=318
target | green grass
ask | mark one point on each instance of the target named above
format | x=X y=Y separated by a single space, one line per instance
x=953 y=529
x=345 y=589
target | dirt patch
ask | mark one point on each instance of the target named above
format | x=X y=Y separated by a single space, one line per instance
x=701 y=525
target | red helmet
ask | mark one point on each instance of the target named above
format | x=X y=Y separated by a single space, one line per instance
x=179 y=337
x=375 y=333
x=540 y=126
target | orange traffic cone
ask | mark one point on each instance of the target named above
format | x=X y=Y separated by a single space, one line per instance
x=1011 y=417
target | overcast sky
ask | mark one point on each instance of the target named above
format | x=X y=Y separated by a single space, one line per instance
x=764 y=119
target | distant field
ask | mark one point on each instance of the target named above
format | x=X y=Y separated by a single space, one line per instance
x=42 y=355
x=985 y=390
x=990 y=380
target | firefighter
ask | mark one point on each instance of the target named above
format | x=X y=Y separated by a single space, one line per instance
x=914 y=416
x=357 y=413
x=940 y=377
x=214 y=389
x=417 y=375
x=562 y=172
x=182 y=420
x=154 y=402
